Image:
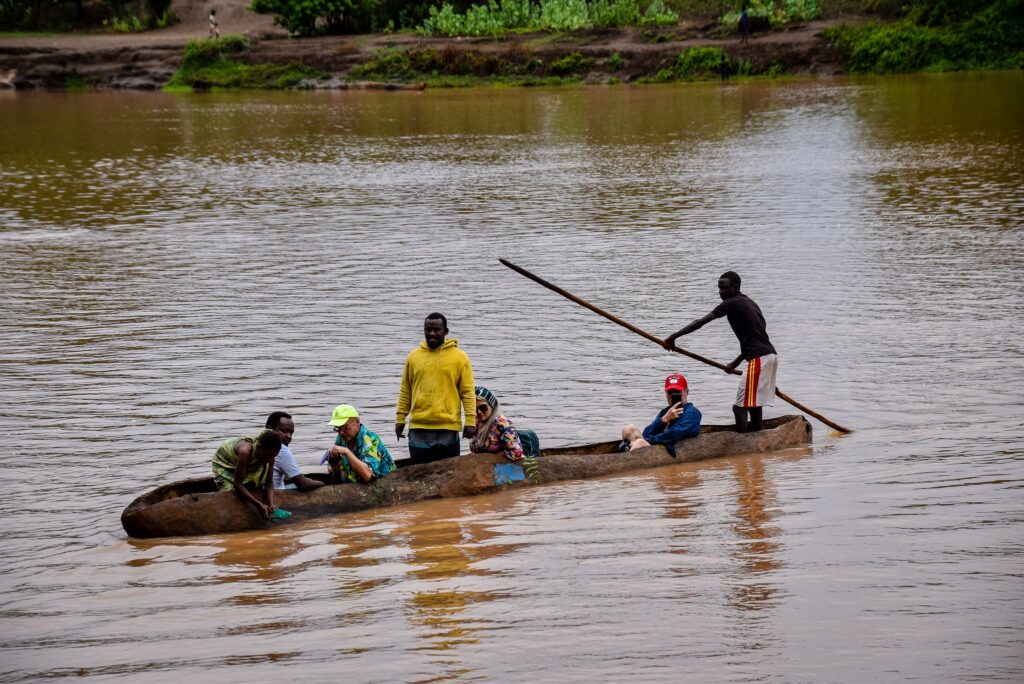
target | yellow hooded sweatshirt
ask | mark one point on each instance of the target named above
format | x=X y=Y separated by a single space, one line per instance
x=434 y=384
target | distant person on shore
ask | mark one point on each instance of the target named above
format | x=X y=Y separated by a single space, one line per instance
x=757 y=388
x=744 y=26
x=214 y=27
x=436 y=391
x=243 y=465
x=358 y=455
x=679 y=420
x=496 y=434
x=287 y=473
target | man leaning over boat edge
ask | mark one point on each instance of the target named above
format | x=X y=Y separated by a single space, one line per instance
x=241 y=463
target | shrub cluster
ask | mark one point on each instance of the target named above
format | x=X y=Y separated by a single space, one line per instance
x=696 y=63
x=501 y=16
x=214 y=64
x=992 y=38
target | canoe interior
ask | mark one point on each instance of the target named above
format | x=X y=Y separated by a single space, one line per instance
x=204 y=485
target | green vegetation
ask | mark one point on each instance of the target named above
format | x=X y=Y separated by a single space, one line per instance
x=937 y=35
x=27 y=34
x=696 y=63
x=213 y=64
x=77 y=83
x=65 y=15
x=570 y=64
x=502 y=16
x=134 y=23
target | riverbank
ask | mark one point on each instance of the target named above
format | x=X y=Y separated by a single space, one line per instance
x=608 y=56
x=261 y=55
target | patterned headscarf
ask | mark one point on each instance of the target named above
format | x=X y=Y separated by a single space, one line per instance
x=485 y=429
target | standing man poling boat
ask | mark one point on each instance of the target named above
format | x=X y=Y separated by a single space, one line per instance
x=437 y=390
x=758 y=385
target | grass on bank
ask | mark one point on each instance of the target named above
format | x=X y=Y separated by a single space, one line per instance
x=28 y=34
x=449 y=67
x=215 y=64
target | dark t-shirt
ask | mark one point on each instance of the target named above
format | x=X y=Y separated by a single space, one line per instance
x=747 y=322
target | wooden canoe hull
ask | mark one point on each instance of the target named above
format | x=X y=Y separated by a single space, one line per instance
x=193 y=507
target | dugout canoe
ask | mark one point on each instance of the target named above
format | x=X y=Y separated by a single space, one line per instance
x=193 y=507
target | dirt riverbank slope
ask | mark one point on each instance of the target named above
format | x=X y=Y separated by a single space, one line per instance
x=147 y=60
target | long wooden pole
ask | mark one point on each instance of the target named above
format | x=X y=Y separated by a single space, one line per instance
x=660 y=342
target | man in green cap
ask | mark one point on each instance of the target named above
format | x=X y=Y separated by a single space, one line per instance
x=358 y=455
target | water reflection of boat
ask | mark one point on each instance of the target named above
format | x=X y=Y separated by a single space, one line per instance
x=195 y=507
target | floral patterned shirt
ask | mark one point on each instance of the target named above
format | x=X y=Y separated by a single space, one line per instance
x=502 y=437
x=370 y=449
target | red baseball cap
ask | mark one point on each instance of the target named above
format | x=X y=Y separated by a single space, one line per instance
x=676 y=381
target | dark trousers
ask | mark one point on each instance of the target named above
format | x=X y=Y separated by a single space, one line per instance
x=427 y=446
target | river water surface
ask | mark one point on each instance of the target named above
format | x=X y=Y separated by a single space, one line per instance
x=175 y=267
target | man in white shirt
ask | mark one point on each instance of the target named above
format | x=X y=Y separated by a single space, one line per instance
x=287 y=473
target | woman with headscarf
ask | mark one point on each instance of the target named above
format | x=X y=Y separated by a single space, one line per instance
x=496 y=434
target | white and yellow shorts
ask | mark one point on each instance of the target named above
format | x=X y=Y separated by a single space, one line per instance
x=757 y=388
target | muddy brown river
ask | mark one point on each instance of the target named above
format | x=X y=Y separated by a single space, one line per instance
x=175 y=267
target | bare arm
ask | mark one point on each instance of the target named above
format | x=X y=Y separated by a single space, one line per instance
x=689 y=328
x=362 y=471
x=304 y=483
x=732 y=366
x=268 y=487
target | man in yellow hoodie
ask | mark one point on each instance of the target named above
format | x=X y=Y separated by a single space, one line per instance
x=437 y=388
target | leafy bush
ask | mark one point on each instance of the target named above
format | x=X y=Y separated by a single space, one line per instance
x=563 y=15
x=700 y=61
x=214 y=64
x=614 y=13
x=803 y=10
x=694 y=64
x=570 y=64
x=992 y=38
x=657 y=14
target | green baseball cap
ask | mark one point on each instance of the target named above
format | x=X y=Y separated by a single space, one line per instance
x=342 y=413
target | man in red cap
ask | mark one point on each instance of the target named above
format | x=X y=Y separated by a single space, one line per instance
x=679 y=420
